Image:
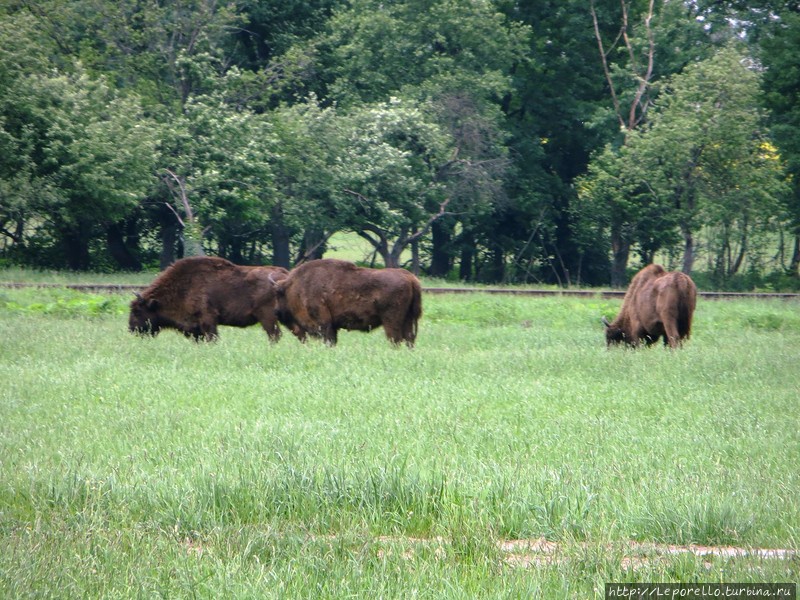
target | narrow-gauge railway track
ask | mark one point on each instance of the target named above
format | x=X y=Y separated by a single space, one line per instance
x=131 y=288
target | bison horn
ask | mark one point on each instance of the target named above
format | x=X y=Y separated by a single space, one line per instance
x=138 y=295
x=605 y=322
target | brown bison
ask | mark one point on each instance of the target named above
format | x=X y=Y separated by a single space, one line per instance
x=322 y=296
x=197 y=294
x=656 y=304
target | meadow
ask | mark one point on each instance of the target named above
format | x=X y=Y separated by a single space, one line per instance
x=159 y=467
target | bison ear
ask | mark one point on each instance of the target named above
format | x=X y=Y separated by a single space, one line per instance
x=605 y=322
x=152 y=304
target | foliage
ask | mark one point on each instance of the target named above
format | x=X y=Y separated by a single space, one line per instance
x=224 y=156
x=781 y=84
x=63 y=303
x=704 y=159
x=132 y=133
x=87 y=150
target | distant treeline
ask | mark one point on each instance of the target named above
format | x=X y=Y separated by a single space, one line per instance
x=488 y=140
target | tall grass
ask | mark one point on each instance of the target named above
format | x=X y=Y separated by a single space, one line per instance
x=136 y=467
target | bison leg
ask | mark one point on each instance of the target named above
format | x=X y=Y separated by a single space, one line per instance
x=273 y=331
x=208 y=331
x=671 y=336
x=636 y=339
x=299 y=333
x=329 y=334
x=400 y=328
x=410 y=331
x=394 y=333
x=269 y=322
x=397 y=334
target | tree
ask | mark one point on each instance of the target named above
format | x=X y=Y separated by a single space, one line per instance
x=90 y=149
x=452 y=57
x=164 y=51
x=22 y=53
x=781 y=85
x=644 y=27
x=308 y=184
x=393 y=165
x=704 y=159
x=216 y=164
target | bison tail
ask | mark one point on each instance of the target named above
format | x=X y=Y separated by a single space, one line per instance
x=684 y=322
x=686 y=306
x=412 y=315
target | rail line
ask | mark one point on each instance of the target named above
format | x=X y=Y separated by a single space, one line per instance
x=128 y=288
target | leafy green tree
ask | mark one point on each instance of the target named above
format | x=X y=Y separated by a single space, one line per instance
x=392 y=170
x=22 y=54
x=89 y=149
x=781 y=85
x=308 y=179
x=216 y=164
x=272 y=27
x=379 y=49
x=705 y=159
x=165 y=51
x=452 y=57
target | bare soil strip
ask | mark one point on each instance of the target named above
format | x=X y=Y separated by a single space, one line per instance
x=542 y=546
x=541 y=552
x=526 y=553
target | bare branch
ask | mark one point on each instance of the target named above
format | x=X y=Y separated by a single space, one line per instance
x=357 y=195
x=644 y=81
x=418 y=234
x=182 y=195
x=603 y=59
x=175 y=212
x=378 y=243
x=310 y=251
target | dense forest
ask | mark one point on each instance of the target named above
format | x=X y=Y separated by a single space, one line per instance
x=563 y=141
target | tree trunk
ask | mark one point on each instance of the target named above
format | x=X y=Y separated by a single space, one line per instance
x=235 y=254
x=794 y=266
x=467 y=257
x=391 y=260
x=688 y=251
x=415 y=257
x=169 y=238
x=119 y=250
x=737 y=264
x=381 y=244
x=314 y=245
x=498 y=265
x=621 y=250
x=281 y=256
x=193 y=240
x=280 y=246
x=76 y=246
x=441 y=259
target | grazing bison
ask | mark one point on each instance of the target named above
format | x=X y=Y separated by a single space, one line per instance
x=322 y=296
x=197 y=294
x=656 y=304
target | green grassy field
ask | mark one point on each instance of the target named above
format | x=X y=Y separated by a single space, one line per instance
x=163 y=468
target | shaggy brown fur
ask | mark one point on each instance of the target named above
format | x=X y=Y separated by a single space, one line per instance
x=322 y=296
x=197 y=294
x=657 y=304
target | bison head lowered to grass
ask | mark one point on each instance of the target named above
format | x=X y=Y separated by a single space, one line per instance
x=322 y=296
x=657 y=304
x=197 y=294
